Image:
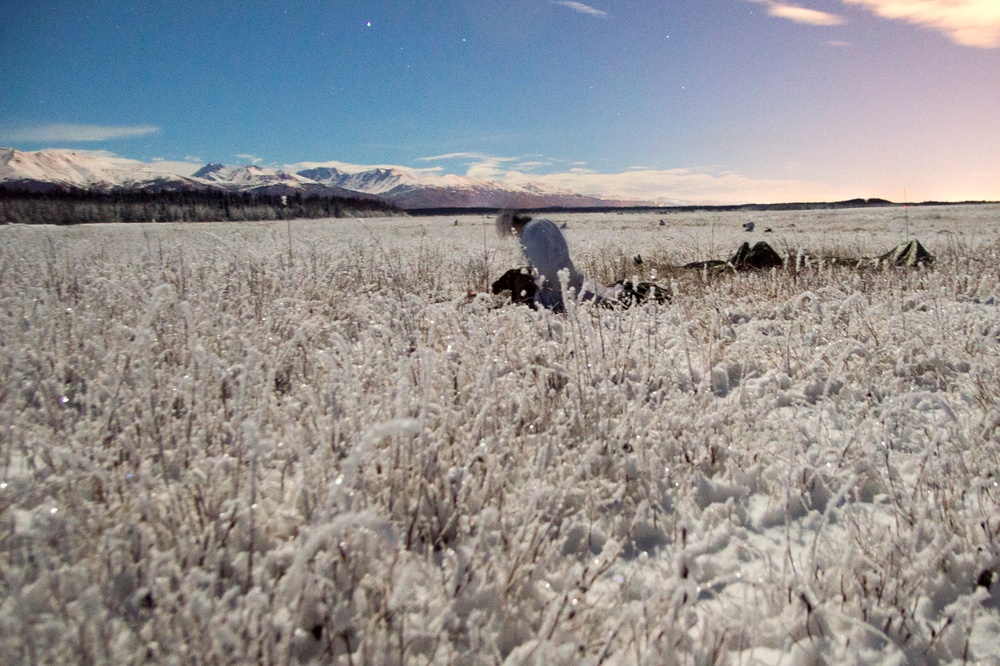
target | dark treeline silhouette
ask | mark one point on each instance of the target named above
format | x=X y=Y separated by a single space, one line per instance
x=76 y=206
x=697 y=208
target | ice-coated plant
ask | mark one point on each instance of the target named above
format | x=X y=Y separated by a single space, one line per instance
x=305 y=442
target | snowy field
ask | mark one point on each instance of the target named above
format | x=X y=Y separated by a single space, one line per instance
x=290 y=443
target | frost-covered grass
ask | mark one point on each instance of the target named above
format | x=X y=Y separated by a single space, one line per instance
x=294 y=442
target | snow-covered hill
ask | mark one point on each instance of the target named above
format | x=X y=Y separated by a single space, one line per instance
x=53 y=169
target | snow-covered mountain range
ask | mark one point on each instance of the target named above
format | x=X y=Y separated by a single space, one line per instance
x=253 y=178
x=57 y=169
x=408 y=190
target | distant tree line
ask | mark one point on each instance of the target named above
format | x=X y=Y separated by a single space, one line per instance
x=853 y=203
x=697 y=208
x=75 y=206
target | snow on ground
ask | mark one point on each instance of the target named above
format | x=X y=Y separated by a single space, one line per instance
x=298 y=442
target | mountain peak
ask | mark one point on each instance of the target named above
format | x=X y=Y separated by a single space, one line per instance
x=208 y=170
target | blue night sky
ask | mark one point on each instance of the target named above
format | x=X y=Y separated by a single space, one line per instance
x=703 y=100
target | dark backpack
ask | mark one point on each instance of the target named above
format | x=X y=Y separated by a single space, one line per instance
x=519 y=283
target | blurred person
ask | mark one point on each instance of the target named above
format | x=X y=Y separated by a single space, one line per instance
x=547 y=252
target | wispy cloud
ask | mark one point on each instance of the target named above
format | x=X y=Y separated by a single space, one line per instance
x=804 y=15
x=249 y=158
x=529 y=165
x=687 y=185
x=800 y=14
x=453 y=156
x=73 y=133
x=478 y=165
x=973 y=23
x=580 y=7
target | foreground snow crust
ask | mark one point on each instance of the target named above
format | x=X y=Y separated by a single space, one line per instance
x=287 y=443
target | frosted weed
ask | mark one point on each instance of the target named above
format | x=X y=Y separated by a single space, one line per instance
x=300 y=443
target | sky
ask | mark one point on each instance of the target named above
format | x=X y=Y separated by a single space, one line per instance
x=721 y=101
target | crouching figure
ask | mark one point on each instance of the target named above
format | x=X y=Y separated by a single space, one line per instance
x=547 y=252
